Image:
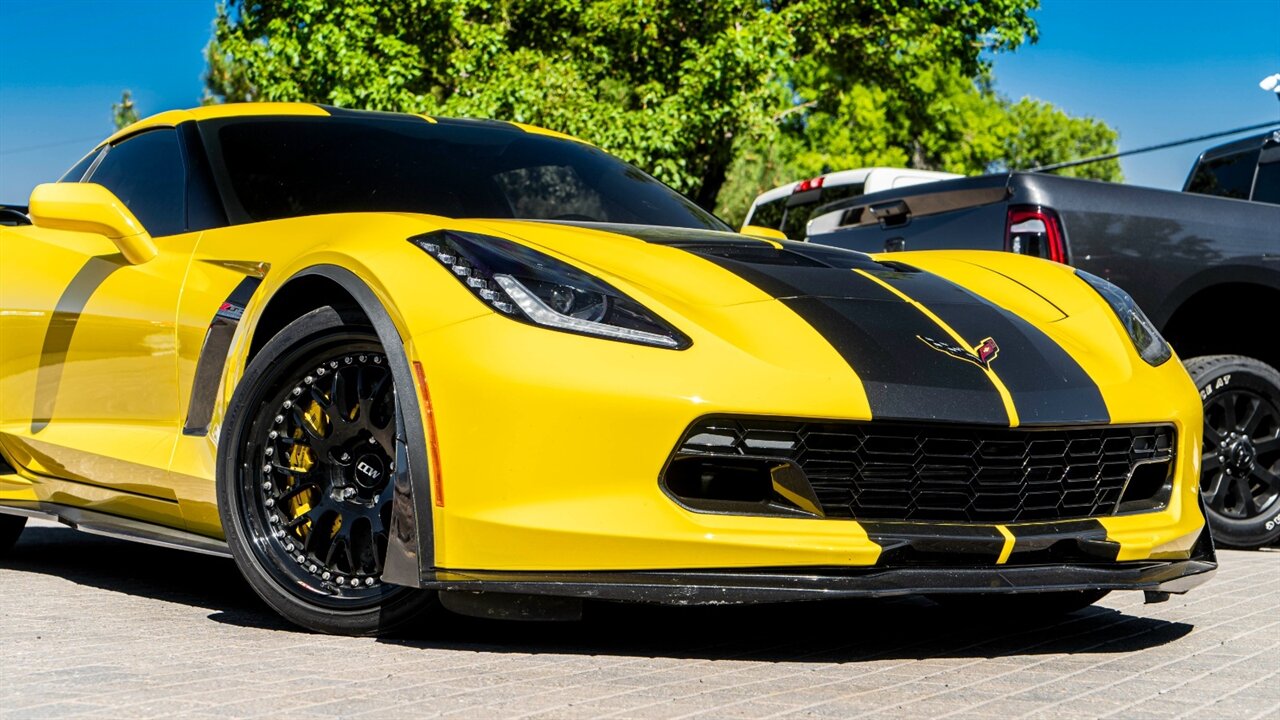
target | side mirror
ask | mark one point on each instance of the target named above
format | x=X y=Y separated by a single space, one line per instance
x=89 y=207
x=766 y=233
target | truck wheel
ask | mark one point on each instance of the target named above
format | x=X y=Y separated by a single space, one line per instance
x=1240 y=472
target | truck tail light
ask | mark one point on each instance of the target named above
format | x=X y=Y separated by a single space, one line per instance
x=810 y=184
x=1035 y=230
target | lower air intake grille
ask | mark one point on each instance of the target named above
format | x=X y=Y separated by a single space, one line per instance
x=891 y=471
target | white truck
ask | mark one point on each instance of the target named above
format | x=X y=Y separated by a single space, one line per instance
x=787 y=208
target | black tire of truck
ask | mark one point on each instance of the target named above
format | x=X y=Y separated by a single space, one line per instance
x=1240 y=472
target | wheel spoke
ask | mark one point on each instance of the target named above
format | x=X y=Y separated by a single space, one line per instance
x=1267 y=445
x=1216 y=492
x=1229 y=412
x=1268 y=480
x=288 y=470
x=1212 y=438
x=1210 y=463
x=300 y=419
x=1252 y=416
x=343 y=403
x=1246 y=496
x=294 y=491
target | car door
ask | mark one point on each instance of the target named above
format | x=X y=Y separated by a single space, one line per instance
x=88 y=388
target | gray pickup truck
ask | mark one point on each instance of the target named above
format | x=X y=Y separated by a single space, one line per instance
x=1203 y=263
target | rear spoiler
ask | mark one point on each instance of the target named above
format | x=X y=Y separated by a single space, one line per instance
x=13 y=215
x=895 y=208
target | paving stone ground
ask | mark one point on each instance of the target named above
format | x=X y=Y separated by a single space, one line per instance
x=96 y=627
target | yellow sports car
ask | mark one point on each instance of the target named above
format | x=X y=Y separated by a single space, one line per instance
x=387 y=362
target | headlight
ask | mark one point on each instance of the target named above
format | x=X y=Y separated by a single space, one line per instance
x=526 y=285
x=1146 y=338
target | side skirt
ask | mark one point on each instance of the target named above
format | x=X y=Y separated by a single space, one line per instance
x=98 y=523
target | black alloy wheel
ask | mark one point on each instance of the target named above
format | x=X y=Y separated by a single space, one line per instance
x=306 y=485
x=1240 y=468
x=322 y=492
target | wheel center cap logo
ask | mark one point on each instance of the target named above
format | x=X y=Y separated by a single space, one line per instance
x=369 y=470
x=1241 y=456
x=981 y=354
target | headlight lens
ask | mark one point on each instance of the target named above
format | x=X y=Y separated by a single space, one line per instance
x=1146 y=338
x=531 y=287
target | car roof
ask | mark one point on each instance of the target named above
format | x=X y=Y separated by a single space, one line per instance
x=171 y=118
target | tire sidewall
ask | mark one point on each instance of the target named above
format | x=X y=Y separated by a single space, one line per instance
x=1213 y=375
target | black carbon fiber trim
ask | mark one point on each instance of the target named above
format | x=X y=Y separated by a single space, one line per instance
x=213 y=356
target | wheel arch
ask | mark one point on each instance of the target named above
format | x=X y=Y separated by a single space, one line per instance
x=411 y=545
x=1199 y=326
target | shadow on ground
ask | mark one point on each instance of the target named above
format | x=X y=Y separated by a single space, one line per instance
x=834 y=631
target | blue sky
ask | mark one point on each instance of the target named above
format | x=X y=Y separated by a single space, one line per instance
x=1156 y=70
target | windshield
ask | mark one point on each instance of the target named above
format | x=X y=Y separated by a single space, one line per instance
x=278 y=167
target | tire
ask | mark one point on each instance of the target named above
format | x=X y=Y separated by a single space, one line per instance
x=304 y=478
x=1240 y=469
x=10 y=530
x=1022 y=606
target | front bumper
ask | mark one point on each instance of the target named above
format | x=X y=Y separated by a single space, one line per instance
x=794 y=584
x=920 y=560
x=556 y=467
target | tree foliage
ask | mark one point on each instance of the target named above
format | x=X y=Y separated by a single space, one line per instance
x=124 y=113
x=686 y=90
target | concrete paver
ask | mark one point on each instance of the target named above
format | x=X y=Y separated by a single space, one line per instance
x=93 y=627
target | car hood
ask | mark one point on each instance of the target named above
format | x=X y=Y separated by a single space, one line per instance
x=923 y=345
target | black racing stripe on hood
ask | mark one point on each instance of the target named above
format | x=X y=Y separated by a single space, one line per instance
x=1047 y=385
x=875 y=332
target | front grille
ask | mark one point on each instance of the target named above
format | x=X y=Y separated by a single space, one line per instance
x=892 y=471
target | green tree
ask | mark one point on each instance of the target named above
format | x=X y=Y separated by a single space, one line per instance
x=124 y=113
x=679 y=88
x=945 y=120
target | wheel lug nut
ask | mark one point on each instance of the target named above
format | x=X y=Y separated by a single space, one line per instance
x=266 y=468
x=341 y=580
x=308 y=379
x=279 y=419
x=266 y=485
x=269 y=502
x=288 y=547
x=373 y=441
x=274 y=519
x=279 y=534
x=312 y=567
x=270 y=451
x=288 y=404
x=297 y=391
x=326 y=575
x=273 y=435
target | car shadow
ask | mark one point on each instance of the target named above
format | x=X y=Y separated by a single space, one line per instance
x=817 y=632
